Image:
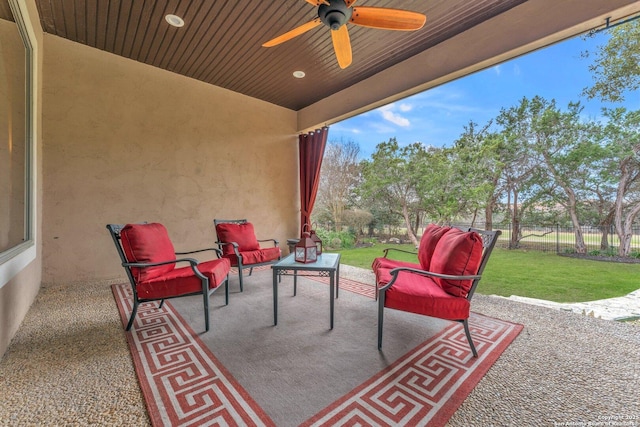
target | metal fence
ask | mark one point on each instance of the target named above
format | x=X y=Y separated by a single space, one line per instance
x=557 y=238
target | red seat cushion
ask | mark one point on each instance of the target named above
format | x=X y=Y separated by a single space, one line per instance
x=457 y=253
x=258 y=256
x=383 y=266
x=242 y=234
x=383 y=276
x=183 y=281
x=422 y=295
x=430 y=238
x=383 y=262
x=147 y=243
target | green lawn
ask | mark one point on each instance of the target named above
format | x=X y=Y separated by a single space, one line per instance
x=533 y=274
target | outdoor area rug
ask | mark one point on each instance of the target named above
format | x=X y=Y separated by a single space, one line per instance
x=245 y=371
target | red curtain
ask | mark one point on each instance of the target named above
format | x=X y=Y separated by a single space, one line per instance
x=311 y=153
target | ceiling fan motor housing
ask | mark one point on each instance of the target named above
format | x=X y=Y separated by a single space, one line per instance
x=335 y=14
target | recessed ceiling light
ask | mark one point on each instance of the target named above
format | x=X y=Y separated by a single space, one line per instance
x=298 y=74
x=174 y=20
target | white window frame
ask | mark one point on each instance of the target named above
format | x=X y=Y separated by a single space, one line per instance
x=18 y=257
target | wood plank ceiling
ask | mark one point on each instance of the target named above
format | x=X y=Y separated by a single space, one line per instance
x=220 y=42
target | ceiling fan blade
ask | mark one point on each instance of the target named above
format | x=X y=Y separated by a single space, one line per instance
x=293 y=33
x=318 y=2
x=387 y=19
x=349 y=2
x=342 y=46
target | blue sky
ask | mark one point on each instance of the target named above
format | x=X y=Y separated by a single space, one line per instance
x=437 y=116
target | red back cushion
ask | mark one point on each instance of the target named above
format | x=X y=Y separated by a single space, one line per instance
x=148 y=243
x=457 y=253
x=428 y=242
x=243 y=234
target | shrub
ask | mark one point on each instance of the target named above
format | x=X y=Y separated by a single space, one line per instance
x=606 y=252
x=336 y=240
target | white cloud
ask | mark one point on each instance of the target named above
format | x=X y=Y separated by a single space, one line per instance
x=391 y=116
x=406 y=107
x=497 y=69
x=339 y=127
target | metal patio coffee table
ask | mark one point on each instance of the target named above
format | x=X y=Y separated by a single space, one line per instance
x=327 y=265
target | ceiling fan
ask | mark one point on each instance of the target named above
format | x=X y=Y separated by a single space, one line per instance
x=336 y=13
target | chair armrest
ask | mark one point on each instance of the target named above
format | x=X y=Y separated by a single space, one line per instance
x=396 y=271
x=275 y=242
x=235 y=246
x=192 y=262
x=216 y=250
x=386 y=251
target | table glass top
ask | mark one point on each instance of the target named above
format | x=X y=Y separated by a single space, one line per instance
x=325 y=261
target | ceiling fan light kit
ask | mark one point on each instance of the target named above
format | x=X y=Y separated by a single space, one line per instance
x=336 y=13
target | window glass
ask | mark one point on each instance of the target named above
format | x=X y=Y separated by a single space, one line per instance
x=13 y=133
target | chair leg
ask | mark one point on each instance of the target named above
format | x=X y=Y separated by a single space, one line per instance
x=465 y=322
x=161 y=304
x=240 y=277
x=133 y=315
x=250 y=271
x=380 y=319
x=205 y=296
x=240 y=274
x=226 y=290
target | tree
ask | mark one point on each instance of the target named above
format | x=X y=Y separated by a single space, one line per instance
x=520 y=176
x=623 y=146
x=358 y=219
x=569 y=150
x=480 y=166
x=616 y=67
x=392 y=176
x=338 y=179
x=437 y=190
x=616 y=71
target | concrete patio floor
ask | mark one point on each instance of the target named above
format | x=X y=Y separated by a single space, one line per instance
x=69 y=364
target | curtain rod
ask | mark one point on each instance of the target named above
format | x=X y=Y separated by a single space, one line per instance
x=608 y=25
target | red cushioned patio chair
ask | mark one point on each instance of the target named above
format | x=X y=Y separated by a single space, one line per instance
x=444 y=281
x=238 y=243
x=149 y=258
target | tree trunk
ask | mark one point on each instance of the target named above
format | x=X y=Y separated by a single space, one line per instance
x=604 y=238
x=619 y=207
x=488 y=214
x=407 y=221
x=337 y=210
x=473 y=219
x=417 y=221
x=625 y=243
x=605 y=227
x=515 y=224
x=581 y=248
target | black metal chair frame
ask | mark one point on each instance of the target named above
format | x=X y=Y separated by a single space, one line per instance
x=235 y=246
x=114 y=230
x=489 y=239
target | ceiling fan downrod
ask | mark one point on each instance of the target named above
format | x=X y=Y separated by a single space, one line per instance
x=335 y=14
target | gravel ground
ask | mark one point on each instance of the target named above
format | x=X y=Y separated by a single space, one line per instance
x=69 y=364
x=563 y=369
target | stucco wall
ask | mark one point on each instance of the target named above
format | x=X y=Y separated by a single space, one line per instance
x=127 y=142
